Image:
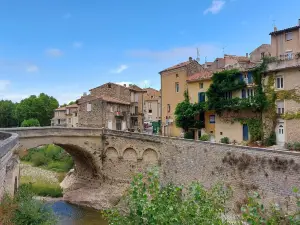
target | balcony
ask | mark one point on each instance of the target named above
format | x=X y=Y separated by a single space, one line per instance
x=119 y=114
x=284 y=61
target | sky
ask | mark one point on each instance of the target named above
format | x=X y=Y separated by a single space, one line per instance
x=65 y=48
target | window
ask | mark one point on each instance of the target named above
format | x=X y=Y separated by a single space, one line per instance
x=262 y=55
x=177 y=75
x=201 y=85
x=279 y=82
x=169 y=108
x=201 y=97
x=150 y=110
x=69 y=120
x=58 y=121
x=111 y=109
x=228 y=95
x=176 y=87
x=88 y=107
x=75 y=114
x=68 y=111
x=289 y=55
x=247 y=93
x=136 y=110
x=150 y=105
x=280 y=107
x=289 y=36
x=212 y=119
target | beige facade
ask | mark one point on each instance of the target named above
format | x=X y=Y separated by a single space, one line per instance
x=285 y=46
x=259 y=53
x=173 y=85
x=112 y=106
x=152 y=105
x=66 y=116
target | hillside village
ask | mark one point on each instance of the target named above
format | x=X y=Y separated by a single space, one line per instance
x=251 y=99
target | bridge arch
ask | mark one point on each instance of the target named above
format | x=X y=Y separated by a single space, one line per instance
x=86 y=155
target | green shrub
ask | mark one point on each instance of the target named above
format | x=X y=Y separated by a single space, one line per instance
x=39 y=159
x=271 y=140
x=205 y=137
x=150 y=203
x=24 y=210
x=30 y=123
x=225 y=140
x=189 y=135
x=64 y=166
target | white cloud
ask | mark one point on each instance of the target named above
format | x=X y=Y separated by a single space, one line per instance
x=4 y=84
x=215 y=7
x=124 y=83
x=141 y=84
x=54 y=52
x=67 y=16
x=144 y=84
x=77 y=44
x=179 y=53
x=120 y=69
x=32 y=69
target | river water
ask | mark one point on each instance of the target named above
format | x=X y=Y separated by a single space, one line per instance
x=76 y=215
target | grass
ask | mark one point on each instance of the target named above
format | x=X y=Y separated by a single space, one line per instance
x=41 y=187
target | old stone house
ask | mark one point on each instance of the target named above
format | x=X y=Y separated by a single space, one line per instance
x=152 y=105
x=112 y=106
x=66 y=116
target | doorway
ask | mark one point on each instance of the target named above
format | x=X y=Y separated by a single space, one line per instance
x=280 y=139
x=245 y=132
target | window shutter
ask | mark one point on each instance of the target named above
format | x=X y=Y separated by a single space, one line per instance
x=250 y=78
x=243 y=93
x=201 y=97
x=241 y=77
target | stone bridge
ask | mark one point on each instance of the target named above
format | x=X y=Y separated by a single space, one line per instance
x=105 y=161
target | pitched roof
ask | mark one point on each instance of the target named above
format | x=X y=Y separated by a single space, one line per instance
x=103 y=98
x=152 y=94
x=61 y=109
x=285 y=30
x=72 y=106
x=202 y=75
x=135 y=88
x=263 y=45
x=238 y=58
x=177 y=66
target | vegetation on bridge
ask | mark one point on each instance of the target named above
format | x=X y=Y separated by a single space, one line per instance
x=149 y=203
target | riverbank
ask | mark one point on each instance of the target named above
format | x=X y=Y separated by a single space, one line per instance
x=44 y=182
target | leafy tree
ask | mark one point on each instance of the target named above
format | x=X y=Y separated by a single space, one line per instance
x=40 y=107
x=70 y=103
x=30 y=123
x=186 y=114
x=147 y=202
x=7 y=114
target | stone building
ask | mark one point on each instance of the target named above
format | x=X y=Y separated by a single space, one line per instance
x=285 y=73
x=112 y=106
x=66 y=116
x=152 y=105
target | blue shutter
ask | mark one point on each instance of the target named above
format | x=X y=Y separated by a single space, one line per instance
x=201 y=97
x=241 y=77
x=243 y=93
x=250 y=78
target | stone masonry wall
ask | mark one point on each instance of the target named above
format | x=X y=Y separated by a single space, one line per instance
x=9 y=164
x=95 y=118
x=272 y=173
x=115 y=91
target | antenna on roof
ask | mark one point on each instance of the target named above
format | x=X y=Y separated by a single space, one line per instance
x=198 y=55
x=205 y=59
x=224 y=49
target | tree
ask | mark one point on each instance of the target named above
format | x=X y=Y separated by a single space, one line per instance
x=7 y=114
x=39 y=107
x=70 y=103
x=30 y=123
x=186 y=114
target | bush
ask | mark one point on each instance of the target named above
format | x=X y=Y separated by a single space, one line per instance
x=271 y=140
x=294 y=146
x=64 y=166
x=225 y=140
x=205 y=137
x=24 y=210
x=189 y=135
x=150 y=203
x=39 y=159
x=30 y=123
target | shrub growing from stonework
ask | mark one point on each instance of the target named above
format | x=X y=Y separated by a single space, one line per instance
x=30 y=123
x=147 y=202
x=204 y=137
x=225 y=140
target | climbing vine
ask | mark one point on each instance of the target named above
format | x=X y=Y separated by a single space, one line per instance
x=288 y=95
x=255 y=128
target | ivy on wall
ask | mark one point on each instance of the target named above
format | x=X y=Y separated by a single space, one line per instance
x=288 y=95
x=255 y=128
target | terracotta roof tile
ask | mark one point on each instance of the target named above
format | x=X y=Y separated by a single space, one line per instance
x=182 y=64
x=202 y=75
x=72 y=106
x=60 y=109
x=151 y=94
x=103 y=98
x=135 y=88
x=285 y=30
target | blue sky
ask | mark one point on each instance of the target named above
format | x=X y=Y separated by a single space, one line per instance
x=65 y=48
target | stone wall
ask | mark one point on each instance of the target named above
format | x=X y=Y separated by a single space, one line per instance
x=272 y=173
x=112 y=90
x=9 y=164
x=94 y=118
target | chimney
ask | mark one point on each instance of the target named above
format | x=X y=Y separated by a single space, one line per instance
x=190 y=59
x=275 y=28
x=84 y=93
x=124 y=85
x=247 y=55
x=298 y=22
